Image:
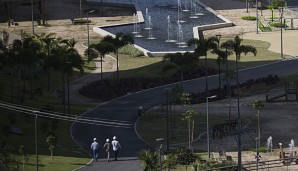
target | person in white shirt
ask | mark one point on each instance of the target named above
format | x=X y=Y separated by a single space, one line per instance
x=116 y=146
x=94 y=148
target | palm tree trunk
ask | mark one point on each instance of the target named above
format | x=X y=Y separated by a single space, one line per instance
x=117 y=55
x=206 y=74
x=63 y=91
x=189 y=134
x=101 y=74
x=182 y=79
x=219 y=79
x=42 y=7
x=11 y=86
x=49 y=82
x=31 y=84
x=192 y=133
x=52 y=154
x=238 y=118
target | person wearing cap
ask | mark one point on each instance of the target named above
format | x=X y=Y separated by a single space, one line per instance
x=116 y=146
x=94 y=148
x=107 y=146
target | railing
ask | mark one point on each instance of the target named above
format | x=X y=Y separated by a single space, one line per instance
x=262 y=165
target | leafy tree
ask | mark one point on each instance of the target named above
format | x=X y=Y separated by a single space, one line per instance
x=51 y=141
x=258 y=104
x=149 y=160
x=189 y=116
x=279 y=3
x=170 y=161
x=185 y=157
x=202 y=46
x=119 y=41
x=103 y=48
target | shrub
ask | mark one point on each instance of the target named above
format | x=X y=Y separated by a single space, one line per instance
x=261 y=149
x=130 y=50
x=278 y=24
x=250 y=18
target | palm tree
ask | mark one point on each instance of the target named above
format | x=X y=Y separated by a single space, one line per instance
x=149 y=160
x=119 y=41
x=103 y=48
x=258 y=104
x=48 y=43
x=183 y=61
x=189 y=116
x=202 y=47
x=64 y=58
x=238 y=49
x=220 y=58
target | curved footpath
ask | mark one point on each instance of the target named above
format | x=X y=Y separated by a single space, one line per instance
x=124 y=109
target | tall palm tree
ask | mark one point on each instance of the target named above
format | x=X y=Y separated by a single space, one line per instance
x=237 y=47
x=258 y=104
x=183 y=61
x=119 y=41
x=202 y=46
x=48 y=43
x=103 y=48
x=189 y=116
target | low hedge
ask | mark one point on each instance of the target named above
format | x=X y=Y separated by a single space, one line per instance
x=250 y=18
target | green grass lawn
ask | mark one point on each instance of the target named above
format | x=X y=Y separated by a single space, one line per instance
x=60 y=163
x=152 y=66
x=153 y=125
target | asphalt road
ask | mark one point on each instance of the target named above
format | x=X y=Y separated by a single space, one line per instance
x=124 y=109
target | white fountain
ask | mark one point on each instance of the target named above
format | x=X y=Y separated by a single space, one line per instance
x=193 y=9
x=180 y=12
x=148 y=20
x=169 y=31
x=135 y=24
x=150 y=35
x=180 y=38
x=186 y=4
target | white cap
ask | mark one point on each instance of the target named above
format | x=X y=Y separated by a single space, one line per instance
x=94 y=139
x=114 y=137
x=108 y=140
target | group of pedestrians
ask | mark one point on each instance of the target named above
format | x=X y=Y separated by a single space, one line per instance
x=107 y=146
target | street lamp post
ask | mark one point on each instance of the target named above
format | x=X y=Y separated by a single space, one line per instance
x=88 y=12
x=160 y=141
x=257 y=16
x=36 y=149
x=281 y=25
x=207 y=107
x=68 y=70
x=257 y=156
x=167 y=101
x=218 y=36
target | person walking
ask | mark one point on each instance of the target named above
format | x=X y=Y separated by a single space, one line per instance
x=116 y=146
x=94 y=148
x=107 y=146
